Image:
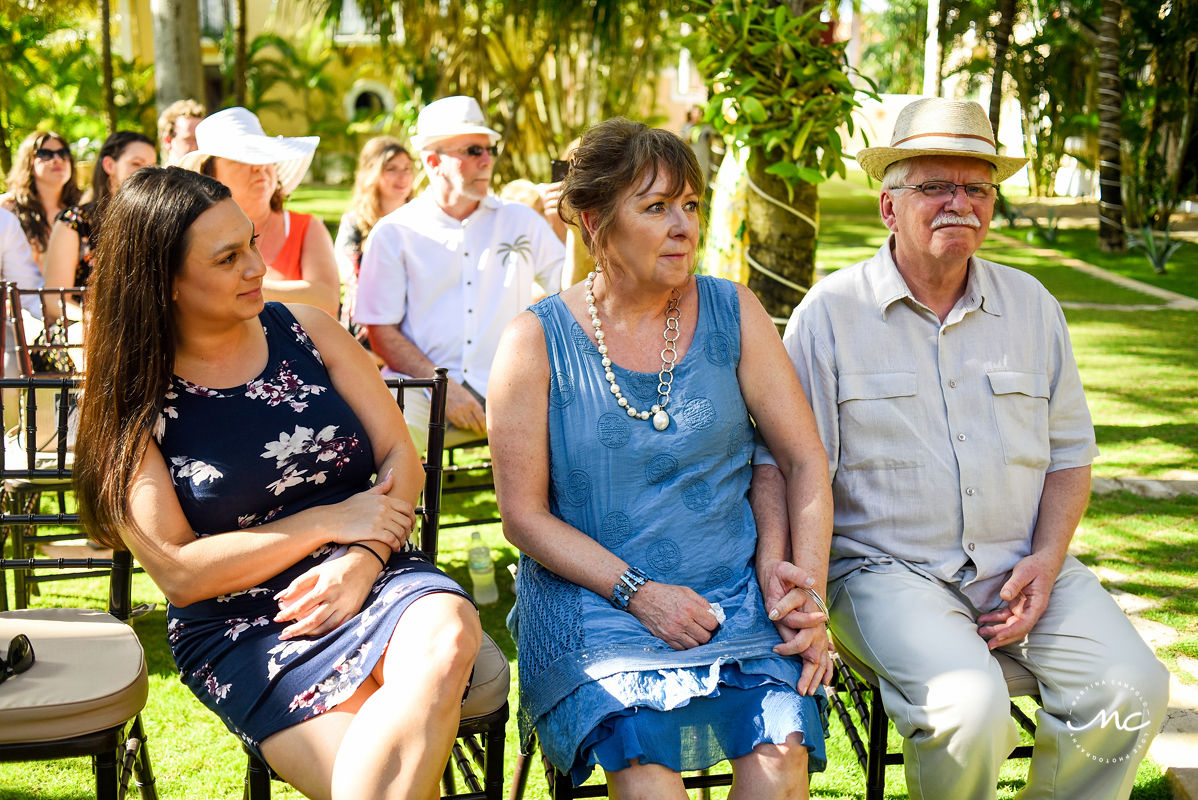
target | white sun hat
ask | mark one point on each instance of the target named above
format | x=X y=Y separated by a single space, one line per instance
x=450 y=116
x=236 y=134
x=935 y=126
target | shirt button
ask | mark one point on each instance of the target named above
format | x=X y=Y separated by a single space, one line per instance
x=468 y=341
x=960 y=437
x=969 y=491
x=972 y=547
x=952 y=383
x=468 y=283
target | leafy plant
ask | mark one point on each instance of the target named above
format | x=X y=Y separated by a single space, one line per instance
x=1158 y=247
x=1048 y=231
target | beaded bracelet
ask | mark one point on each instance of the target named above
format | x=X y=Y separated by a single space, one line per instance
x=371 y=551
x=621 y=594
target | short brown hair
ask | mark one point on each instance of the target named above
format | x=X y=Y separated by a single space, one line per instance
x=613 y=157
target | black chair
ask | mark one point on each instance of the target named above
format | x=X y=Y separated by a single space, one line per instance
x=85 y=691
x=860 y=683
x=477 y=754
x=39 y=446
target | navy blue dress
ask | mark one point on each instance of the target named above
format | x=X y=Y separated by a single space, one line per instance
x=244 y=456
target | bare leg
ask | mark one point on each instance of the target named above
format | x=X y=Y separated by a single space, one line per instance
x=645 y=782
x=771 y=771
x=391 y=738
x=399 y=741
x=304 y=754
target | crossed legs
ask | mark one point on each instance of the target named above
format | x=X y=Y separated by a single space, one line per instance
x=392 y=738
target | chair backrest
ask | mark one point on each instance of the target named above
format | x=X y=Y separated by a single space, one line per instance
x=430 y=508
x=47 y=326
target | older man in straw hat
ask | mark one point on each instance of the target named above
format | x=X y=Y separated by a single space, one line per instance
x=959 y=442
x=443 y=275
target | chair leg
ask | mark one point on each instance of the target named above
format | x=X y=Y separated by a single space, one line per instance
x=107 y=776
x=875 y=772
x=143 y=773
x=257 y=780
x=493 y=768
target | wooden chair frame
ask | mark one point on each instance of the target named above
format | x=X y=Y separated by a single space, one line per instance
x=119 y=754
x=477 y=753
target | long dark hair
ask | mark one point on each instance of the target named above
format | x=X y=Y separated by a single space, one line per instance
x=112 y=148
x=23 y=187
x=130 y=336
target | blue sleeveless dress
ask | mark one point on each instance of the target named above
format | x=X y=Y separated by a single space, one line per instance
x=596 y=684
x=244 y=456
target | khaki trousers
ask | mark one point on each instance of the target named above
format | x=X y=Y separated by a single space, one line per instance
x=1103 y=693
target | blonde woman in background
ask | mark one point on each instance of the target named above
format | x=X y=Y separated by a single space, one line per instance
x=382 y=183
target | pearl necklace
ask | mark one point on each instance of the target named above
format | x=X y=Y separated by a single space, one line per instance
x=665 y=377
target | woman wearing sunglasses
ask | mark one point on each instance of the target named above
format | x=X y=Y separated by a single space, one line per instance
x=68 y=259
x=41 y=185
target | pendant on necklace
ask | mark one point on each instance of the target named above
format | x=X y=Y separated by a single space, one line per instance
x=661 y=420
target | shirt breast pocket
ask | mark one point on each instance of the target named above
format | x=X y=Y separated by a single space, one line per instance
x=879 y=413
x=1021 y=413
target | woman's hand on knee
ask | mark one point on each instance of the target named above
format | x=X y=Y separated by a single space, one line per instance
x=324 y=597
x=678 y=615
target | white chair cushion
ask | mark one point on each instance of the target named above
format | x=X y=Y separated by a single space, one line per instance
x=488 y=690
x=89 y=674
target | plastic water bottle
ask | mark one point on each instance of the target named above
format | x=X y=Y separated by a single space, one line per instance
x=482 y=571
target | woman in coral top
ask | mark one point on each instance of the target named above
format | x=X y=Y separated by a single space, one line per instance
x=261 y=171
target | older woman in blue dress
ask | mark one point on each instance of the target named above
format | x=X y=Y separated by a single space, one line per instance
x=660 y=627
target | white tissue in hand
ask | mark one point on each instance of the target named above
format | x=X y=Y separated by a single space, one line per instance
x=718 y=610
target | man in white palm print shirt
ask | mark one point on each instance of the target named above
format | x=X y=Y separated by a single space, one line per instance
x=444 y=274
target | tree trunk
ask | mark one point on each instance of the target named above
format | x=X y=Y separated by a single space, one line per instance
x=106 y=66
x=239 y=70
x=778 y=240
x=931 y=51
x=178 y=71
x=1110 y=108
x=1002 y=40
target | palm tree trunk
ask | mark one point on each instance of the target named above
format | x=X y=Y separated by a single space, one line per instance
x=1002 y=41
x=239 y=68
x=1110 y=109
x=781 y=238
x=106 y=65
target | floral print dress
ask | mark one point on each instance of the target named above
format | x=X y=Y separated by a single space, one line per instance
x=244 y=456
x=80 y=219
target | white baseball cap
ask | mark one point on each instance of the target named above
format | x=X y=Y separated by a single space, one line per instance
x=236 y=134
x=450 y=116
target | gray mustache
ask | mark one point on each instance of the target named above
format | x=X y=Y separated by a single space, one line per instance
x=947 y=218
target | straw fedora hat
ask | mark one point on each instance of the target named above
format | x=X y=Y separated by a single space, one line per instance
x=236 y=134
x=935 y=126
x=450 y=116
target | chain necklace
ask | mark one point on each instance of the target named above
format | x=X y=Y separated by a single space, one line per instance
x=665 y=377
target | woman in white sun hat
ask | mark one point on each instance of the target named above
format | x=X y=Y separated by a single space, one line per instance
x=261 y=171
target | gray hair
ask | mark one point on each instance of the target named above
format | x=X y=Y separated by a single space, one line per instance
x=899 y=173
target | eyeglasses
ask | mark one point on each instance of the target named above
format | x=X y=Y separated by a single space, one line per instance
x=939 y=189
x=20 y=657
x=46 y=154
x=473 y=151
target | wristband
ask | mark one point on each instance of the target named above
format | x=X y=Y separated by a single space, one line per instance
x=621 y=594
x=819 y=601
x=371 y=551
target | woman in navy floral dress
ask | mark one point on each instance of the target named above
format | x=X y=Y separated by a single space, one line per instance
x=230 y=445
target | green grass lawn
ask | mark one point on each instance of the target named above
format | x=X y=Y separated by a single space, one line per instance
x=1141 y=379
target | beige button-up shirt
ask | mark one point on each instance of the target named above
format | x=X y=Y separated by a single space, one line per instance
x=939 y=435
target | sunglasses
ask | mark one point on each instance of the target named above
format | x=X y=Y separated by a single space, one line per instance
x=473 y=151
x=46 y=154
x=20 y=657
